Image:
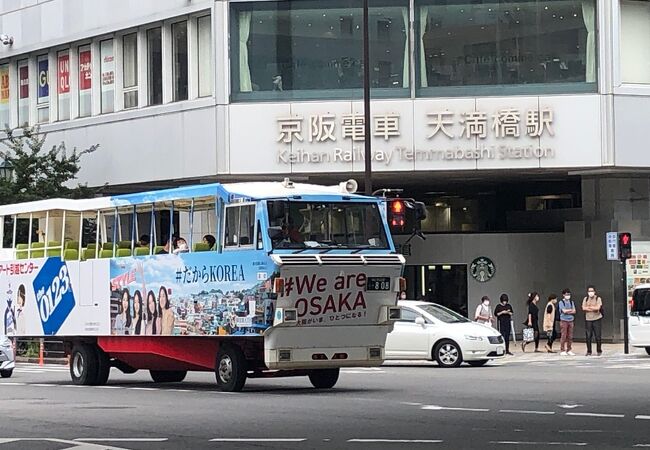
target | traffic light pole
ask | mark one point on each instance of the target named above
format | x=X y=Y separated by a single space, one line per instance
x=626 y=325
x=366 y=102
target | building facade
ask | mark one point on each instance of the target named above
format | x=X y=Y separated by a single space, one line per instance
x=520 y=124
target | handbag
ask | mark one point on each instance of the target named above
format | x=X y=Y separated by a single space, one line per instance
x=528 y=334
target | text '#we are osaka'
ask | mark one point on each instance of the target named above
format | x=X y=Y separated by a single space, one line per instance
x=320 y=300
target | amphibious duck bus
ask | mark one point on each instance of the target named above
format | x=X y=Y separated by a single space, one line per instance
x=246 y=280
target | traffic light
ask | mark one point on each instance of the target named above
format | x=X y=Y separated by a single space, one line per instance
x=396 y=215
x=624 y=246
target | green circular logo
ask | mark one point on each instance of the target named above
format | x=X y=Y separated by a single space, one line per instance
x=482 y=269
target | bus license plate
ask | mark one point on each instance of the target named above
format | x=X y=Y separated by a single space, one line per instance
x=378 y=284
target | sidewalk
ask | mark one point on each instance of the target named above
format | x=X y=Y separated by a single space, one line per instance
x=579 y=348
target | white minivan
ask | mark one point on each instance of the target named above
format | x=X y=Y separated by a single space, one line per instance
x=639 y=319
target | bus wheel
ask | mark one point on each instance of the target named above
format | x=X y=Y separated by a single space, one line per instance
x=168 y=376
x=103 y=367
x=84 y=364
x=324 y=378
x=230 y=369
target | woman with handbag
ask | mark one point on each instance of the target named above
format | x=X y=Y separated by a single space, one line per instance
x=532 y=321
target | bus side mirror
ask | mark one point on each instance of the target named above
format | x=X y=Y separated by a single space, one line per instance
x=275 y=233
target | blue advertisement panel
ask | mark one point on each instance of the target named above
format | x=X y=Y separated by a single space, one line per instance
x=192 y=294
x=43 y=82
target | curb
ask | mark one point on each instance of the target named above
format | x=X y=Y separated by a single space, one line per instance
x=58 y=361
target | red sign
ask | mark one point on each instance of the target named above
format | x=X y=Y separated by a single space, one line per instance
x=85 y=76
x=23 y=77
x=64 y=74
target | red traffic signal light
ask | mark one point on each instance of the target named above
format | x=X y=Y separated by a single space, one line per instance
x=396 y=215
x=624 y=245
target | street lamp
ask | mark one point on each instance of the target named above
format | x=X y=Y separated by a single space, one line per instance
x=6 y=170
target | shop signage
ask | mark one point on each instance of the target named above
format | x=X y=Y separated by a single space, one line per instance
x=482 y=269
x=23 y=77
x=460 y=130
x=64 y=74
x=43 y=84
x=4 y=85
x=85 y=75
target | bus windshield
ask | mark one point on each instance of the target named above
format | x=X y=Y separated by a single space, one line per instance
x=327 y=225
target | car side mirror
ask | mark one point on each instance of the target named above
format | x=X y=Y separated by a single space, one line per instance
x=420 y=321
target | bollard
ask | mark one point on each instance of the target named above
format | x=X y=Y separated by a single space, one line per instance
x=40 y=352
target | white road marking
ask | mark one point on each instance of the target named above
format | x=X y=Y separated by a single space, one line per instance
x=445 y=408
x=180 y=390
x=42 y=384
x=108 y=387
x=518 y=411
x=615 y=416
x=143 y=389
x=411 y=404
x=121 y=439
x=575 y=444
x=568 y=405
x=580 y=431
x=258 y=440
x=642 y=445
x=641 y=417
x=397 y=441
x=12 y=383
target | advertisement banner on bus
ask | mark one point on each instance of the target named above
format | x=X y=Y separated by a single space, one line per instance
x=190 y=294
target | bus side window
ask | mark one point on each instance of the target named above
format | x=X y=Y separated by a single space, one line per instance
x=240 y=225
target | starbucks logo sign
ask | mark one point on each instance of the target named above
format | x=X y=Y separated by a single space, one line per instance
x=482 y=269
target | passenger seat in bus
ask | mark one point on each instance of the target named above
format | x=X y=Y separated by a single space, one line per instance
x=141 y=251
x=123 y=252
x=71 y=254
x=40 y=252
x=201 y=247
x=21 y=251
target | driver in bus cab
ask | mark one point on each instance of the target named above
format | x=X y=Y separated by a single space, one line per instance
x=290 y=232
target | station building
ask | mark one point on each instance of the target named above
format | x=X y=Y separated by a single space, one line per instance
x=520 y=124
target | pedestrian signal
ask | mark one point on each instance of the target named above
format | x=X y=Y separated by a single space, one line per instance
x=396 y=215
x=624 y=246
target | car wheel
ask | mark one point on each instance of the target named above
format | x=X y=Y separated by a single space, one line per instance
x=84 y=365
x=447 y=354
x=478 y=363
x=168 y=376
x=324 y=378
x=6 y=373
x=647 y=350
x=230 y=369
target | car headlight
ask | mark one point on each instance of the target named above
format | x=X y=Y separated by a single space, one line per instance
x=473 y=338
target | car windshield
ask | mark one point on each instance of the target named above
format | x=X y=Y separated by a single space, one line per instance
x=443 y=314
x=327 y=225
x=641 y=303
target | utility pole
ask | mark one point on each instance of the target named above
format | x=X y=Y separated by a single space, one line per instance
x=366 y=102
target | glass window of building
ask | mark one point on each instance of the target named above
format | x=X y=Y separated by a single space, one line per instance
x=43 y=90
x=154 y=66
x=313 y=49
x=23 y=93
x=85 y=81
x=63 y=84
x=108 y=75
x=5 y=110
x=504 y=43
x=635 y=32
x=130 y=70
x=179 y=60
x=204 y=45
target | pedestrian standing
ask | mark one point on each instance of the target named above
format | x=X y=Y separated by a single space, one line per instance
x=532 y=320
x=567 y=318
x=503 y=312
x=483 y=312
x=550 y=316
x=592 y=305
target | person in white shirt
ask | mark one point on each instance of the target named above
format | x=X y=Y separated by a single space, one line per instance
x=483 y=312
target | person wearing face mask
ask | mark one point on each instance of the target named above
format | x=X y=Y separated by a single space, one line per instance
x=181 y=246
x=567 y=317
x=503 y=312
x=483 y=312
x=592 y=305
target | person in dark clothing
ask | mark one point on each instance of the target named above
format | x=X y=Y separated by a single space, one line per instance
x=503 y=312
x=532 y=320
